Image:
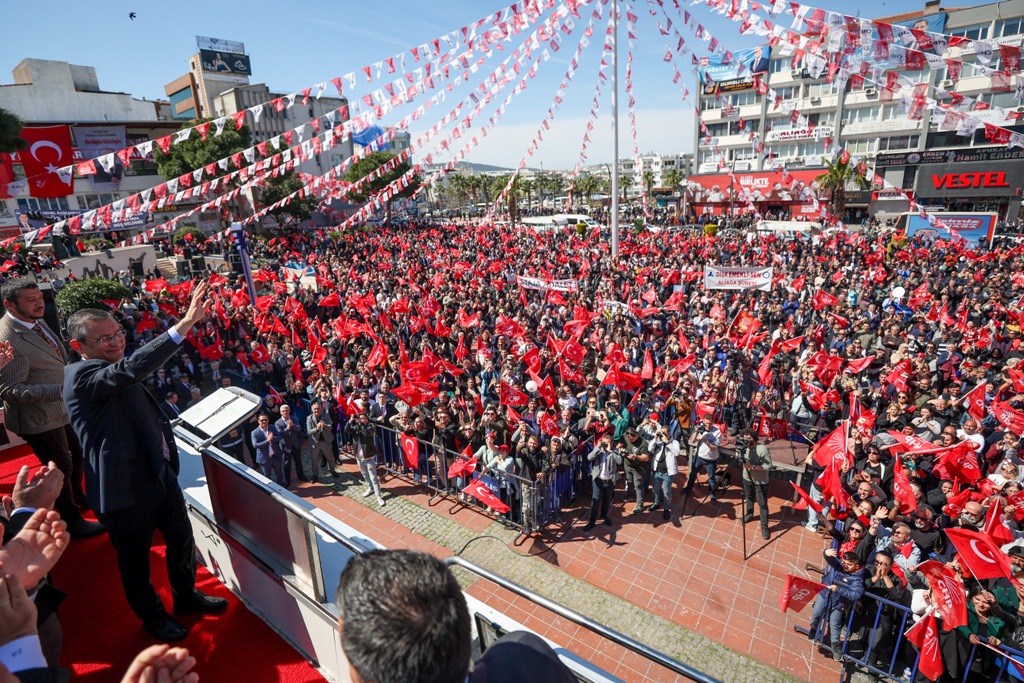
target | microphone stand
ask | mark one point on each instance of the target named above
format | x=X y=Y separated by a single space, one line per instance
x=741 y=454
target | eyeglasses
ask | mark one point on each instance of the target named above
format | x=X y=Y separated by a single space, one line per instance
x=859 y=531
x=109 y=339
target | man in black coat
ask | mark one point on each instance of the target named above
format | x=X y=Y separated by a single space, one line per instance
x=131 y=463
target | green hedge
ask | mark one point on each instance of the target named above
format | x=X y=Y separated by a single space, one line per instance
x=90 y=293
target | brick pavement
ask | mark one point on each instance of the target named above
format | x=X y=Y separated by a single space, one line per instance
x=681 y=587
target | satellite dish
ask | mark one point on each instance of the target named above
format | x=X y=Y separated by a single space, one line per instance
x=898 y=292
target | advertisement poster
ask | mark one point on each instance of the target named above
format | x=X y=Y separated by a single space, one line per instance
x=735 y=71
x=97 y=141
x=972 y=227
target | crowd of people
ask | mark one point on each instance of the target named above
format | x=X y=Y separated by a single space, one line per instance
x=904 y=352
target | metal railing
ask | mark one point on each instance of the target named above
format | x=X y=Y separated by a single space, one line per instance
x=586 y=622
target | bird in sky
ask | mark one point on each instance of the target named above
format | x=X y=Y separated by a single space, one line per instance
x=132 y=15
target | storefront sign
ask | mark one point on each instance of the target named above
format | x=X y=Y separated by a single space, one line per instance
x=761 y=186
x=738 y=278
x=801 y=133
x=970 y=180
x=949 y=156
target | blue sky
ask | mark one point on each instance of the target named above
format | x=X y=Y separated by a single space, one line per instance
x=295 y=45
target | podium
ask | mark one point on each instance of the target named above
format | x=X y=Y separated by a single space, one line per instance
x=207 y=421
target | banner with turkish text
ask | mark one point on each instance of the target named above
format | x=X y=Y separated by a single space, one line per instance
x=738 y=278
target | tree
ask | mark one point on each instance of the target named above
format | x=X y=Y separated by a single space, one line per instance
x=370 y=163
x=195 y=152
x=586 y=185
x=90 y=293
x=648 y=178
x=673 y=179
x=198 y=237
x=837 y=177
x=276 y=189
x=10 y=133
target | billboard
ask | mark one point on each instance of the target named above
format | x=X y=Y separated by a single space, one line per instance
x=96 y=141
x=220 y=45
x=973 y=227
x=735 y=71
x=31 y=220
x=969 y=180
x=222 y=62
x=764 y=186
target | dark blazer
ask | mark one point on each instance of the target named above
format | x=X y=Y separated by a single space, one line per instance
x=291 y=439
x=265 y=448
x=121 y=427
x=169 y=411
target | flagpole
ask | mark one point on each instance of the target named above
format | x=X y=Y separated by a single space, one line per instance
x=615 y=129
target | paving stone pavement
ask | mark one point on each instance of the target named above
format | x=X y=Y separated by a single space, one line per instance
x=490 y=549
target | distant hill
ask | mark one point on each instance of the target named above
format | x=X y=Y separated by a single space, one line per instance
x=483 y=168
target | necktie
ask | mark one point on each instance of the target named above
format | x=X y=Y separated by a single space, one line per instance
x=49 y=342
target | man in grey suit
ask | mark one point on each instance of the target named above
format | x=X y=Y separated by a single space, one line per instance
x=604 y=470
x=291 y=444
x=321 y=435
x=131 y=461
x=31 y=386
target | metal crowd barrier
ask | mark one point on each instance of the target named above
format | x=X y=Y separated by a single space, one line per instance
x=549 y=495
x=879 y=623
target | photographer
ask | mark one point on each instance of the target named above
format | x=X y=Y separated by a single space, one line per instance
x=664 y=454
x=604 y=470
x=364 y=446
x=706 y=438
x=757 y=462
x=636 y=457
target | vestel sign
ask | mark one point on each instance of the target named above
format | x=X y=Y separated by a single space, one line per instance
x=956 y=181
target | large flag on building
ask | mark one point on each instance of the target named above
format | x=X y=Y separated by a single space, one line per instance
x=49 y=150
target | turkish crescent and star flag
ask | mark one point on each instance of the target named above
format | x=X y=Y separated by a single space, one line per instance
x=49 y=150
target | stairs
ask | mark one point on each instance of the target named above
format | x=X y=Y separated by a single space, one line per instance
x=167 y=268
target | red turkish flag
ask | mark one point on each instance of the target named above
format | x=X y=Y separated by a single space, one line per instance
x=925 y=636
x=461 y=351
x=975 y=401
x=791 y=344
x=647 y=371
x=296 y=369
x=859 y=365
x=464 y=463
x=531 y=359
x=411 y=451
x=332 y=300
x=259 y=354
x=479 y=490
x=901 y=487
x=947 y=593
x=546 y=389
x=979 y=554
x=815 y=396
x=378 y=354
x=798 y=283
x=798 y=593
x=49 y=149
x=1017 y=377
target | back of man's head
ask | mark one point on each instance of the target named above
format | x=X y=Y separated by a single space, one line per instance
x=403 y=619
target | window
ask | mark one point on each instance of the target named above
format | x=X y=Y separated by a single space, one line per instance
x=909 y=176
x=1003 y=100
x=862 y=115
x=95 y=201
x=789 y=92
x=33 y=204
x=974 y=32
x=743 y=154
x=861 y=147
x=4 y=209
x=898 y=142
x=1009 y=27
x=821 y=89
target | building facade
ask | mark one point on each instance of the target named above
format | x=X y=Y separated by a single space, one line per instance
x=905 y=146
x=51 y=93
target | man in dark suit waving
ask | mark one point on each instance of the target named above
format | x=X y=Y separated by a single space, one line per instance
x=131 y=462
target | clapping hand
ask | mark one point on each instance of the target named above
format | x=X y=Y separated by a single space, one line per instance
x=31 y=554
x=162 y=664
x=17 y=611
x=38 y=491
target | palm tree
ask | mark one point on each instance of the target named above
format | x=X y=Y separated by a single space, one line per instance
x=527 y=187
x=586 y=185
x=840 y=175
x=673 y=179
x=648 y=178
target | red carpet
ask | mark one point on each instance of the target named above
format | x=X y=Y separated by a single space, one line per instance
x=102 y=636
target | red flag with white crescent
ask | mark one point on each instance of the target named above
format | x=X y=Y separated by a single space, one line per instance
x=411 y=451
x=479 y=490
x=980 y=554
x=49 y=149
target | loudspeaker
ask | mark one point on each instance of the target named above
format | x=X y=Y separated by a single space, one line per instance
x=138 y=270
x=236 y=263
x=198 y=264
x=182 y=268
x=186 y=253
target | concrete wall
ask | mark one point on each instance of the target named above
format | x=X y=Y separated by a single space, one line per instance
x=98 y=264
